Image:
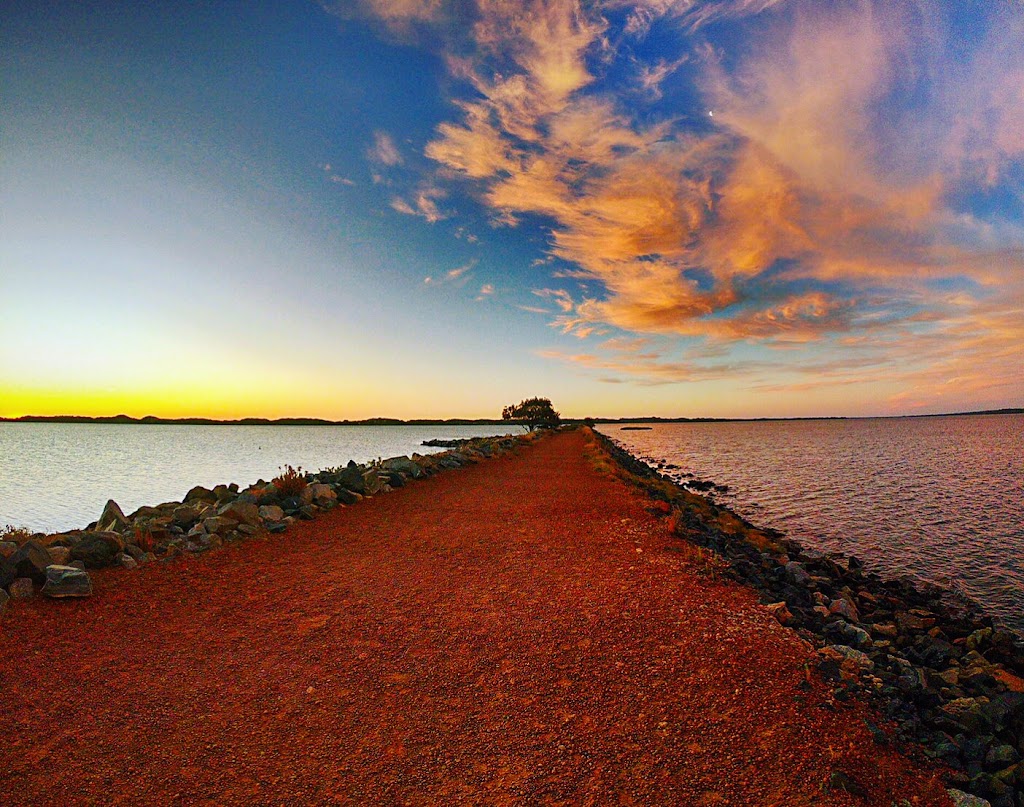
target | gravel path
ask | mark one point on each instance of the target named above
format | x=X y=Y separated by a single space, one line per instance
x=519 y=632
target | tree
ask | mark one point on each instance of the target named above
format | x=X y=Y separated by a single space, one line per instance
x=534 y=413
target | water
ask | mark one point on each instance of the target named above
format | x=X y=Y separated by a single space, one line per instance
x=940 y=499
x=57 y=476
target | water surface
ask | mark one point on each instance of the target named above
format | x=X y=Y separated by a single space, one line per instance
x=941 y=499
x=57 y=476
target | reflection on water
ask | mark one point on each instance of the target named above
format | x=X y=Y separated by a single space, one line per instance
x=57 y=476
x=938 y=498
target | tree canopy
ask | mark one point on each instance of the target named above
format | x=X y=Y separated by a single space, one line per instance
x=533 y=413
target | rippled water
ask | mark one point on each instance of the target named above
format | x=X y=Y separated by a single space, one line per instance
x=941 y=499
x=57 y=476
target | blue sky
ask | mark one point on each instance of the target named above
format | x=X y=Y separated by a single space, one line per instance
x=420 y=208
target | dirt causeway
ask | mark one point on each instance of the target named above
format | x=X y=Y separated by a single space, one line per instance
x=523 y=631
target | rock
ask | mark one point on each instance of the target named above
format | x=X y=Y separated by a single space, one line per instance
x=67 y=581
x=781 y=612
x=98 y=549
x=322 y=495
x=848 y=658
x=185 y=515
x=844 y=633
x=29 y=561
x=248 y=529
x=242 y=512
x=112 y=519
x=59 y=555
x=372 y=482
x=218 y=524
x=200 y=494
x=961 y=799
x=352 y=478
x=21 y=589
x=271 y=513
x=307 y=513
x=276 y=526
x=7 y=548
x=346 y=496
x=126 y=561
x=844 y=608
x=402 y=465
x=838 y=780
x=4 y=599
x=797 y=573
x=1001 y=756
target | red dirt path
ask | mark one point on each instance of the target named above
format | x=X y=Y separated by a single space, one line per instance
x=519 y=632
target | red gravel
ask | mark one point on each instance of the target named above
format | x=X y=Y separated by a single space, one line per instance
x=519 y=632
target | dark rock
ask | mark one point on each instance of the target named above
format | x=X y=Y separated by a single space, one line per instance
x=67 y=581
x=21 y=589
x=7 y=548
x=352 y=478
x=185 y=515
x=402 y=465
x=4 y=599
x=323 y=495
x=307 y=513
x=276 y=526
x=98 y=549
x=1000 y=757
x=112 y=518
x=30 y=561
x=346 y=496
x=200 y=494
x=841 y=632
x=797 y=573
x=59 y=555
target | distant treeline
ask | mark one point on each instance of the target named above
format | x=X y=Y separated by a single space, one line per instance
x=152 y=420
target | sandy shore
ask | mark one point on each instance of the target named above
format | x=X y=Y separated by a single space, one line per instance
x=524 y=631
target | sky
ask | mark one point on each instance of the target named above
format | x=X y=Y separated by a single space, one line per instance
x=434 y=208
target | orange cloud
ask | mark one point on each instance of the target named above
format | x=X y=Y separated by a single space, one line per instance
x=815 y=211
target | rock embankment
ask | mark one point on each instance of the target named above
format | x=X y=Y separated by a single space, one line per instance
x=57 y=565
x=941 y=669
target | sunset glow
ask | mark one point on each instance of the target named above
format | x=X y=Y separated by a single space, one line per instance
x=433 y=209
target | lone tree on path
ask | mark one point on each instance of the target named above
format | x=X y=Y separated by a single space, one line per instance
x=534 y=413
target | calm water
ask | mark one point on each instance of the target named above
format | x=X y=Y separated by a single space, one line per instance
x=57 y=476
x=937 y=498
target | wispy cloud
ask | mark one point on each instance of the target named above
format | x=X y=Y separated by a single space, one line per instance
x=452 y=275
x=423 y=203
x=384 y=150
x=486 y=290
x=823 y=204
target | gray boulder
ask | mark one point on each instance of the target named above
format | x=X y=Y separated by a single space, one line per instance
x=352 y=478
x=402 y=465
x=112 y=518
x=271 y=513
x=323 y=495
x=242 y=512
x=67 y=581
x=216 y=524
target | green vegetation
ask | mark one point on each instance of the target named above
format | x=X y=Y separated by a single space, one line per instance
x=533 y=413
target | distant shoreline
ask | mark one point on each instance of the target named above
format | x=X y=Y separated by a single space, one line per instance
x=151 y=420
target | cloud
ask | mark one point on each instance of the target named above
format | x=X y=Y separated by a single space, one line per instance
x=832 y=194
x=456 y=275
x=422 y=204
x=384 y=150
x=486 y=290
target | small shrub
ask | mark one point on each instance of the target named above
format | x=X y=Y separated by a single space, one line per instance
x=144 y=539
x=16 y=534
x=290 y=482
